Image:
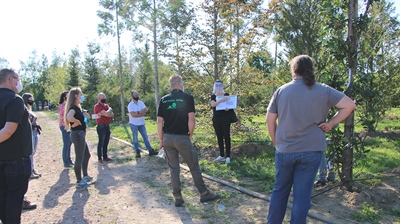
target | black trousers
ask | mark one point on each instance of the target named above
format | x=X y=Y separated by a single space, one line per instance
x=222 y=127
x=103 y=131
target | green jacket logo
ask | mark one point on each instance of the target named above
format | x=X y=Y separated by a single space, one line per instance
x=172 y=106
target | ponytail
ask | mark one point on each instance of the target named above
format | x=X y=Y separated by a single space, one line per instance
x=303 y=66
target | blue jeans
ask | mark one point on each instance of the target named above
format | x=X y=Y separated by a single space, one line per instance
x=297 y=170
x=325 y=171
x=103 y=131
x=66 y=151
x=14 y=178
x=143 y=132
x=82 y=154
x=35 y=141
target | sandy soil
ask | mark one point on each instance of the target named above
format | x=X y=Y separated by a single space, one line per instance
x=131 y=190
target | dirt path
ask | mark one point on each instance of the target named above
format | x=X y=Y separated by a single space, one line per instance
x=131 y=190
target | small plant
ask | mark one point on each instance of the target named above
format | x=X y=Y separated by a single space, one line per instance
x=368 y=213
x=395 y=212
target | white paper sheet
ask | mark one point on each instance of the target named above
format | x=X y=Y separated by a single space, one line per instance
x=230 y=104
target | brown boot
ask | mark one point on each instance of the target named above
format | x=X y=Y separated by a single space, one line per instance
x=208 y=196
x=179 y=201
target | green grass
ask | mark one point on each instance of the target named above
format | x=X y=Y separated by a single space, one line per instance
x=368 y=213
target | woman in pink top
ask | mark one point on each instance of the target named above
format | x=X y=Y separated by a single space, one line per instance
x=66 y=151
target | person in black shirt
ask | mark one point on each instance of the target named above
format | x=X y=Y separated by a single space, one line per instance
x=175 y=127
x=75 y=121
x=15 y=147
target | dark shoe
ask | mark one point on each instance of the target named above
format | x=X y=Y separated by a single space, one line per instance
x=319 y=184
x=28 y=205
x=36 y=173
x=100 y=161
x=108 y=160
x=152 y=153
x=208 y=196
x=71 y=163
x=137 y=155
x=34 y=176
x=179 y=201
x=68 y=166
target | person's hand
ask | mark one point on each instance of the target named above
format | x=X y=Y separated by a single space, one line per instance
x=325 y=127
x=76 y=123
x=225 y=99
x=37 y=128
x=161 y=144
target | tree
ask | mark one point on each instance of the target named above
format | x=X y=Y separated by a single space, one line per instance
x=3 y=63
x=92 y=74
x=146 y=14
x=297 y=26
x=109 y=27
x=56 y=79
x=144 y=71
x=177 y=18
x=74 y=69
x=377 y=78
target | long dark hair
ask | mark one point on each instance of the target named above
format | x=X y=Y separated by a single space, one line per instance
x=63 y=96
x=303 y=66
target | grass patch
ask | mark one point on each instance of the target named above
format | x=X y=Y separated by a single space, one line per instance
x=368 y=213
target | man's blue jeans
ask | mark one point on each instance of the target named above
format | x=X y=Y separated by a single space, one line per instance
x=103 y=131
x=142 y=129
x=66 y=151
x=14 y=178
x=297 y=170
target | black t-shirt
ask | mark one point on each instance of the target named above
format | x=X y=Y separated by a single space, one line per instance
x=174 y=108
x=219 y=113
x=79 y=116
x=13 y=109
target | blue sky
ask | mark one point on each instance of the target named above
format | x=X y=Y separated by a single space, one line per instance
x=51 y=25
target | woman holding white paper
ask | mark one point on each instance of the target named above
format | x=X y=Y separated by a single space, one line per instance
x=221 y=122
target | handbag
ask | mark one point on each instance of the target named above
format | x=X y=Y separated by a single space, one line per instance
x=232 y=116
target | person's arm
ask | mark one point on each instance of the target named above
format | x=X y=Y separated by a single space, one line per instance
x=345 y=107
x=108 y=113
x=191 y=124
x=216 y=103
x=271 y=124
x=143 y=111
x=86 y=114
x=72 y=119
x=8 y=130
x=160 y=124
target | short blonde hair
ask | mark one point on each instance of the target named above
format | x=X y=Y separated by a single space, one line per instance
x=175 y=81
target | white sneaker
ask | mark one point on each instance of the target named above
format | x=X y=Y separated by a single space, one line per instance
x=219 y=159
x=228 y=160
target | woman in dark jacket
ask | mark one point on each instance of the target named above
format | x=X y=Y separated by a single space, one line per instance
x=221 y=122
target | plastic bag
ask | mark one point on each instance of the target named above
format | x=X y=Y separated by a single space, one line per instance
x=161 y=153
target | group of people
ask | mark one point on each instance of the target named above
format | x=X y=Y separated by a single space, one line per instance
x=301 y=107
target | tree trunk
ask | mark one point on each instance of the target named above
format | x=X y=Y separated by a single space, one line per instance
x=121 y=83
x=215 y=42
x=347 y=166
x=156 y=84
